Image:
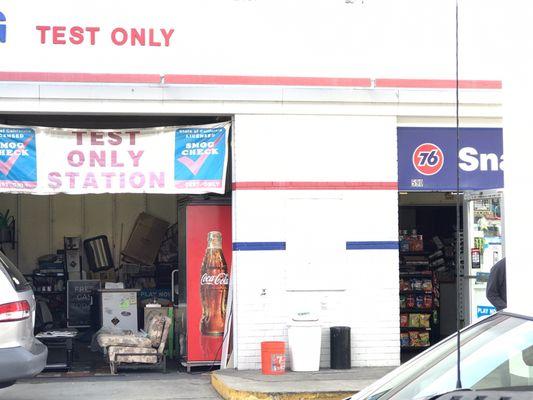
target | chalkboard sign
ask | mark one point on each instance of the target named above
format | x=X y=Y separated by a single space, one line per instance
x=81 y=295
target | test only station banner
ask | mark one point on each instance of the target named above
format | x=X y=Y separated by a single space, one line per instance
x=179 y=159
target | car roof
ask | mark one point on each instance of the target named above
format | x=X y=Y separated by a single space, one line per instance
x=525 y=311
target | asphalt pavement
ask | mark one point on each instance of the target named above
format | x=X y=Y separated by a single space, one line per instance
x=170 y=386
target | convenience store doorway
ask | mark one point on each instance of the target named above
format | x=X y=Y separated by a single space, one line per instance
x=428 y=284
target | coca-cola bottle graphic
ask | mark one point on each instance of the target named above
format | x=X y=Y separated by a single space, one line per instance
x=214 y=284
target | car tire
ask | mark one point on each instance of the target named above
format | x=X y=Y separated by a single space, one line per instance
x=6 y=384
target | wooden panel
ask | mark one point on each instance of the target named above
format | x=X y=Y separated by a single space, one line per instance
x=128 y=207
x=163 y=206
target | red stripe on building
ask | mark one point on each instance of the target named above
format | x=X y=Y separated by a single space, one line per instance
x=315 y=186
x=437 y=84
x=245 y=80
x=266 y=80
x=78 y=77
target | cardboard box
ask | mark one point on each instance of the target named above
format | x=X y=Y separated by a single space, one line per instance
x=145 y=239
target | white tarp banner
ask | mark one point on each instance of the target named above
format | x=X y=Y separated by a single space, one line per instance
x=186 y=159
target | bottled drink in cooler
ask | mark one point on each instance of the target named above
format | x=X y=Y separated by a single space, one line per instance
x=214 y=284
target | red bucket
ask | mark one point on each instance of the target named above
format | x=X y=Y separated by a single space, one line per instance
x=273 y=358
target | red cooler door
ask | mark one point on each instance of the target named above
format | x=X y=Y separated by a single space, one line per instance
x=206 y=290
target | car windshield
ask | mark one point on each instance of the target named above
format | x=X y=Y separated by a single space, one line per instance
x=13 y=274
x=497 y=353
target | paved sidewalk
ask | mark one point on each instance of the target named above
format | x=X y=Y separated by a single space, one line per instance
x=325 y=384
x=146 y=386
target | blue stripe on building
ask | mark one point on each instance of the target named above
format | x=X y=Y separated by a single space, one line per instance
x=258 y=246
x=376 y=245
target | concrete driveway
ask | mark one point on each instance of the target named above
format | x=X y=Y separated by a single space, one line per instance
x=129 y=387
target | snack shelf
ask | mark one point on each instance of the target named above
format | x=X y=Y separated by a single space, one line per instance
x=416 y=292
x=414 y=328
x=414 y=348
x=416 y=275
x=417 y=310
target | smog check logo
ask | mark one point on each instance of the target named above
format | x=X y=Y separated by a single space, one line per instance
x=428 y=159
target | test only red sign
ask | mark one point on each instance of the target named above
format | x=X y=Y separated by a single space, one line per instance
x=179 y=159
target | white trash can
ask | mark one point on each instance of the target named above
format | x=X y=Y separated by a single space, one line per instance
x=305 y=336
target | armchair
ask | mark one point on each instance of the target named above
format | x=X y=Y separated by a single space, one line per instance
x=135 y=350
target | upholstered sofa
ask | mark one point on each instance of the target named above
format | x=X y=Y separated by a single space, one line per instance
x=135 y=349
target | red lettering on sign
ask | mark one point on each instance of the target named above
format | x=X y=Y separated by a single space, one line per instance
x=153 y=42
x=76 y=158
x=97 y=138
x=76 y=35
x=119 y=36
x=58 y=35
x=43 y=29
x=114 y=138
x=79 y=137
x=167 y=35
x=138 y=37
x=54 y=180
x=132 y=136
x=92 y=31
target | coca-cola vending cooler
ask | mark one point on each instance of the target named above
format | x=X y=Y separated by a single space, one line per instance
x=205 y=246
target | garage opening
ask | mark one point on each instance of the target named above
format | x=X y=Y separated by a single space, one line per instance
x=111 y=263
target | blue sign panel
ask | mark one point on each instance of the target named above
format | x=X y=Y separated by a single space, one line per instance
x=428 y=158
x=18 y=163
x=200 y=158
x=2 y=28
x=483 y=311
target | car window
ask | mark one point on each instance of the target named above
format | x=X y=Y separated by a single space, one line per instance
x=400 y=377
x=499 y=357
x=13 y=274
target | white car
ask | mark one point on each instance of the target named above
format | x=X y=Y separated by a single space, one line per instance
x=496 y=357
x=21 y=355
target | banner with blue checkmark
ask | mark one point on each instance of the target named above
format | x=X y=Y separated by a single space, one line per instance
x=201 y=157
x=18 y=163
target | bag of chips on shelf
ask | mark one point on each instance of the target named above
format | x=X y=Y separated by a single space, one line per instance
x=414 y=320
x=427 y=286
x=403 y=301
x=410 y=301
x=405 y=285
x=423 y=338
x=404 y=339
x=428 y=301
x=416 y=284
x=414 y=338
x=404 y=320
x=424 y=320
x=419 y=301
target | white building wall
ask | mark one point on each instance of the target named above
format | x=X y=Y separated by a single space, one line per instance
x=357 y=288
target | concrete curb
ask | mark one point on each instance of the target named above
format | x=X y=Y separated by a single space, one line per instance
x=232 y=394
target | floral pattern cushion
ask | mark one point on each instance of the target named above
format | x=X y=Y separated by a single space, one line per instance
x=155 y=330
x=110 y=339
x=164 y=335
x=115 y=354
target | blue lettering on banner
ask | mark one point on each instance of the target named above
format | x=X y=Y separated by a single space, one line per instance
x=483 y=311
x=3 y=28
x=479 y=160
x=18 y=163
x=200 y=158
